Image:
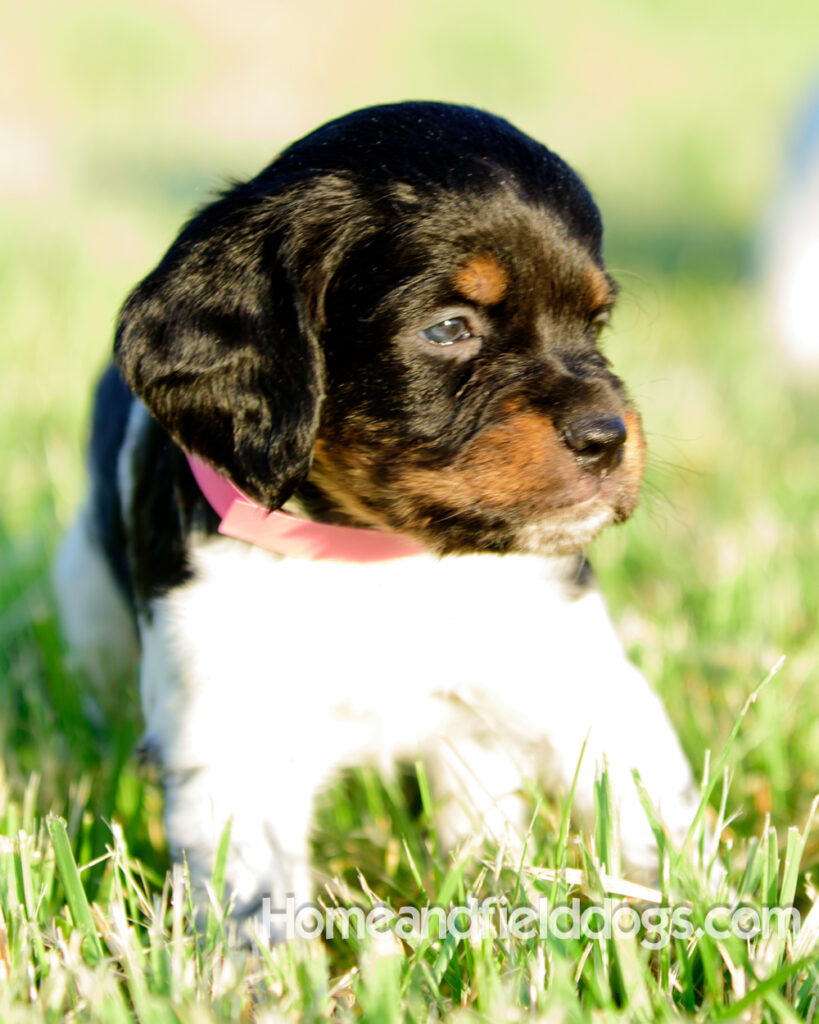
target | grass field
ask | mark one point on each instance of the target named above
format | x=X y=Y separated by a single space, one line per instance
x=125 y=116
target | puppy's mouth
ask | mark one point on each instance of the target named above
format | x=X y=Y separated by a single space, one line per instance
x=521 y=485
x=569 y=529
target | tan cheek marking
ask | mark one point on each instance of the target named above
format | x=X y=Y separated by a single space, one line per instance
x=482 y=280
x=342 y=474
x=634 y=456
x=513 y=460
x=622 y=488
x=520 y=465
x=598 y=288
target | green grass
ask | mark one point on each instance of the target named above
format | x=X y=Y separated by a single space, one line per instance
x=134 y=951
x=125 y=117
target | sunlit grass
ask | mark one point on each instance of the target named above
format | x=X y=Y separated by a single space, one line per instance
x=129 y=117
x=130 y=946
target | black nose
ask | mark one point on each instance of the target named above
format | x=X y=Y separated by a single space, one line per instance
x=597 y=442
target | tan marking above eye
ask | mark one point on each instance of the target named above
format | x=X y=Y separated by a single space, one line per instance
x=482 y=280
x=599 y=289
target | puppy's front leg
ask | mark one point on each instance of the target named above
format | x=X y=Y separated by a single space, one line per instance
x=229 y=751
x=613 y=708
x=636 y=735
x=476 y=783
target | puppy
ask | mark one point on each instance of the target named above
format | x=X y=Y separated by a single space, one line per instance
x=391 y=336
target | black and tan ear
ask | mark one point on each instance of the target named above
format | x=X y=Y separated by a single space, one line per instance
x=218 y=341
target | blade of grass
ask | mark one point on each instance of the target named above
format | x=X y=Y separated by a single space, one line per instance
x=718 y=768
x=214 y=926
x=23 y=853
x=74 y=892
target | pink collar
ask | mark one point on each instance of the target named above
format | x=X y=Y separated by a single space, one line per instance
x=244 y=519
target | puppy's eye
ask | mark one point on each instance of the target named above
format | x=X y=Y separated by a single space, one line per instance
x=601 y=320
x=447 y=332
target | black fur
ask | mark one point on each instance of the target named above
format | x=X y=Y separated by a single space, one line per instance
x=146 y=542
x=112 y=403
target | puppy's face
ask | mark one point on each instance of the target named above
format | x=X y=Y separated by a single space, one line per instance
x=406 y=338
x=467 y=401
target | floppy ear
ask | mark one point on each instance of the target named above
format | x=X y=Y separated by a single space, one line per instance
x=221 y=344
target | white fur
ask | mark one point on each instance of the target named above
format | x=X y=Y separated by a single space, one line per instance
x=95 y=618
x=265 y=674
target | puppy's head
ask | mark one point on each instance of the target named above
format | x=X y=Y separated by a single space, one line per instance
x=398 y=319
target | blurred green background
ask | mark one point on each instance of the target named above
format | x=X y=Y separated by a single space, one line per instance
x=119 y=118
